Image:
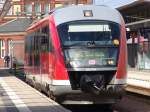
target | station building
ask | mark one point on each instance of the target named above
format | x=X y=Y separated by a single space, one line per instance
x=12 y=39
x=137 y=19
x=23 y=8
x=16 y=16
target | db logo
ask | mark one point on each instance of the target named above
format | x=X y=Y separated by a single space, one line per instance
x=92 y=62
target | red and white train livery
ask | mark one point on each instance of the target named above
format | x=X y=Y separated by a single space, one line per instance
x=78 y=54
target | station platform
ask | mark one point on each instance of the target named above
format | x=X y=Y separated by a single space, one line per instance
x=17 y=96
x=138 y=82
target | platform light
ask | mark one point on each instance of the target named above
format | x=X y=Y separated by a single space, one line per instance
x=88 y=13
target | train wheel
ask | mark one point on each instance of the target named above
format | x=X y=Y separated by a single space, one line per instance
x=50 y=95
x=26 y=80
x=39 y=88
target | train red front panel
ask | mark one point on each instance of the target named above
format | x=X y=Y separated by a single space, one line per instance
x=51 y=65
x=122 y=62
x=60 y=71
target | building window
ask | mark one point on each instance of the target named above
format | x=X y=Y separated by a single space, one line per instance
x=28 y=9
x=58 y=5
x=47 y=8
x=37 y=8
x=15 y=0
x=2 y=48
x=80 y=4
x=17 y=9
x=10 y=12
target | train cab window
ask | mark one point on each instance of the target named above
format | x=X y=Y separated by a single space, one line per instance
x=99 y=39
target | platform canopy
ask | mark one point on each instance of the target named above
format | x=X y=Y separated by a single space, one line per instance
x=136 y=14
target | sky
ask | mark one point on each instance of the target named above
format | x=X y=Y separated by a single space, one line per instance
x=113 y=3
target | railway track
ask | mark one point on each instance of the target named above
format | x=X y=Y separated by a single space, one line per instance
x=131 y=102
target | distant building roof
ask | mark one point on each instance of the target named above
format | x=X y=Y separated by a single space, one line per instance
x=16 y=25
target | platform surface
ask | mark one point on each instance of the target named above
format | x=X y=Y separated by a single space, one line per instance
x=139 y=78
x=17 y=96
x=138 y=82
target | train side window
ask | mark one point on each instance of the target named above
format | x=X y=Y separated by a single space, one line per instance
x=29 y=49
x=27 y=44
x=44 y=44
x=36 y=50
x=45 y=39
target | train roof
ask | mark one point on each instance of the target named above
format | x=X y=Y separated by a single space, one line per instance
x=38 y=23
x=74 y=12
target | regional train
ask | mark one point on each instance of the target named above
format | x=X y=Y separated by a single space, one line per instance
x=77 y=54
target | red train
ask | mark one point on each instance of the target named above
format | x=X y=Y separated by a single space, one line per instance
x=78 y=54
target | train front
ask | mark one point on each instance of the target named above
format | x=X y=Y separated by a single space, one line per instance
x=94 y=54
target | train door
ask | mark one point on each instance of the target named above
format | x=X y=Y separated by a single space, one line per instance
x=37 y=70
x=44 y=56
x=51 y=58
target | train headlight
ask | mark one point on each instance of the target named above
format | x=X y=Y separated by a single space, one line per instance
x=110 y=62
x=116 y=42
x=74 y=64
x=88 y=13
x=71 y=63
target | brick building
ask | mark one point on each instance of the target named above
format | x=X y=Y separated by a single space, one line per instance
x=35 y=7
x=12 y=39
x=1 y=4
x=15 y=19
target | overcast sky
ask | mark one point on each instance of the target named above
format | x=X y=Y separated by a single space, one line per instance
x=113 y=3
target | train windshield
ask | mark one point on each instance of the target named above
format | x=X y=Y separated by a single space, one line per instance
x=88 y=33
x=90 y=44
